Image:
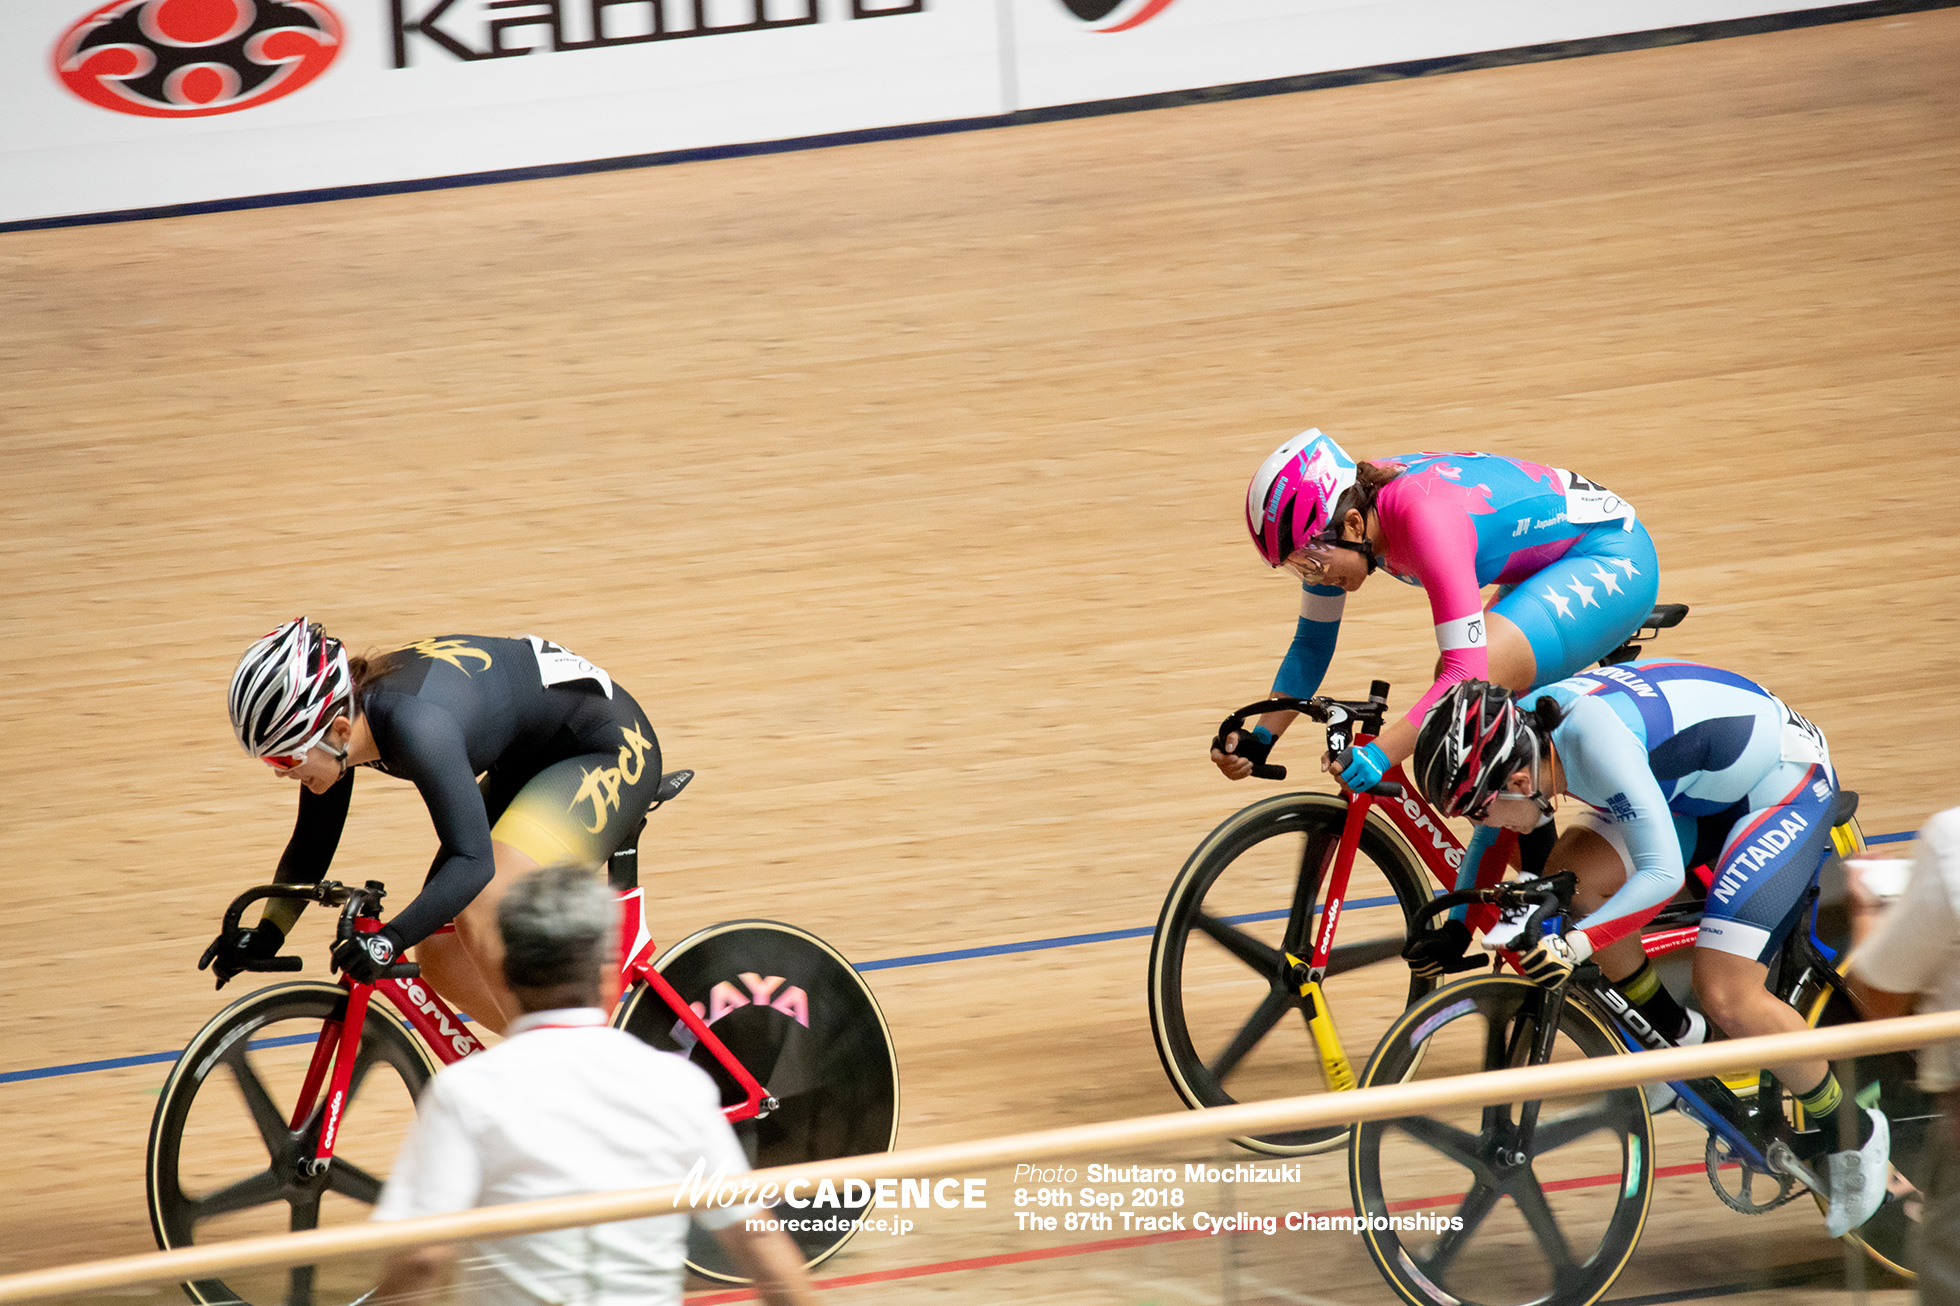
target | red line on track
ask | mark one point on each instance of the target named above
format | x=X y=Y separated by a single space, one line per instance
x=1141 y=1240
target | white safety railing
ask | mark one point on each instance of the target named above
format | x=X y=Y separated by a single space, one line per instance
x=1381 y=1103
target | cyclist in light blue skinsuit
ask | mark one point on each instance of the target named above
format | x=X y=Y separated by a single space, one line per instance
x=1677 y=763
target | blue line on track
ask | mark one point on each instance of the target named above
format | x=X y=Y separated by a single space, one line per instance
x=146 y=1059
x=889 y=963
x=1070 y=940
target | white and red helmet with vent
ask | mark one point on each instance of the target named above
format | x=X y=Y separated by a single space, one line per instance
x=1292 y=496
x=1470 y=745
x=288 y=689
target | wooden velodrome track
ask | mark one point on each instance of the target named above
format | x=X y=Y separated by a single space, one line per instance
x=902 y=484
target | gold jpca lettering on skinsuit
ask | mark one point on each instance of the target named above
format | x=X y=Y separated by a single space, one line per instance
x=452 y=651
x=601 y=784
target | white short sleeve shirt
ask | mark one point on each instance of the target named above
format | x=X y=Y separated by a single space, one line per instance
x=1916 y=948
x=566 y=1105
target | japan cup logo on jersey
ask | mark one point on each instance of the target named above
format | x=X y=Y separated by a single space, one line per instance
x=195 y=58
x=1116 y=15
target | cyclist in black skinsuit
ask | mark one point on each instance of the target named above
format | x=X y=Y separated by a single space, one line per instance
x=567 y=761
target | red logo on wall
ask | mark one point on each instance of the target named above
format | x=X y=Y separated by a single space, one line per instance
x=1116 y=15
x=194 y=58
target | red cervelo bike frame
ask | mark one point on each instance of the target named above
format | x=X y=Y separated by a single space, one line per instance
x=1439 y=850
x=332 y=1064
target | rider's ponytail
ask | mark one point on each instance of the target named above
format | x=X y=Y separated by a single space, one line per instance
x=1360 y=497
x=1544 y=715
x=366 y=668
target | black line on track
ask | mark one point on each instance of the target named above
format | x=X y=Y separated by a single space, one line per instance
x=1546 y=53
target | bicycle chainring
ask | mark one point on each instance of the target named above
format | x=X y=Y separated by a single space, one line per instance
x=1743 y=1200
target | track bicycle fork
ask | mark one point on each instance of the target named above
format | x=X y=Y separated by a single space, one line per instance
x=1306 y=975
x=1551 y=1006
x=336 y=1047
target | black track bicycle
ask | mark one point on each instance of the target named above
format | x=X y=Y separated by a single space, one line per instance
x=1550 y=1197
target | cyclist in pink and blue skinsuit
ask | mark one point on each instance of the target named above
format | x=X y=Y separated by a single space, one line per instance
x=1576 y=573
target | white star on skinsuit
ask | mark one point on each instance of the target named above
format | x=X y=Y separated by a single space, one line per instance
x=1625 y=566
x=1585 y=592
x=1563 y=604
x=1607 y=578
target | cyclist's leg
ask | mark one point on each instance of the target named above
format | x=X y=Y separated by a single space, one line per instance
x=464 y=960
x=1592 y=848
x=448 y=964
x=1624 y=961
x=576 y=811
x=1770 y=858
x=1584 y=605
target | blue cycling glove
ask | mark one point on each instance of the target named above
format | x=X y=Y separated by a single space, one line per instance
x=1365 y=769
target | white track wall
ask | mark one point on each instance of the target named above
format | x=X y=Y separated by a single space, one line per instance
x=414 y=89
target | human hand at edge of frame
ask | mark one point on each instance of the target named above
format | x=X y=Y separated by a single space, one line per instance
x=1552 y=962
x=228 y=953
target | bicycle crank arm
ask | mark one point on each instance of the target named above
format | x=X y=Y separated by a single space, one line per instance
x=1788 y=1162
x=1334 y=1064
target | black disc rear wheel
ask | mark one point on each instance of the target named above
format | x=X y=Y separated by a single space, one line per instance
x=798 y=1018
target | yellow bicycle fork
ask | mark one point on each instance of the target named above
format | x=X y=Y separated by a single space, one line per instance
x=1335 y=1067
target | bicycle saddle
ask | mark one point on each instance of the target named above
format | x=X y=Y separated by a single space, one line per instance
x=1665 y=616
x=671 y=785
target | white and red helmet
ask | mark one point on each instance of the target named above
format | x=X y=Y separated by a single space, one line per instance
x=1292 y=496
x=288 y=689
x=1470 y=745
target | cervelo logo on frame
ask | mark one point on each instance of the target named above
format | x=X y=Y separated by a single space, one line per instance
x=1116 y=15
x=195 y=58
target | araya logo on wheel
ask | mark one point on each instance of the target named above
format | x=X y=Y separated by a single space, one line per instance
x=195 y=58
x=763 y=991
x=1116 y=15
x=770 y=991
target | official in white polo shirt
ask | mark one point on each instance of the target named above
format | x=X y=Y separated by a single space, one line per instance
x=1915 y=950
x=566 y=1104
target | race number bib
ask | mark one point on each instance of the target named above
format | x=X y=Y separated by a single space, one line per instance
x=1587 y=504
x=558 y=665
x=1803 y=743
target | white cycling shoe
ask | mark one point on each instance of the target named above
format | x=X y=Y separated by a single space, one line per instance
x=1661 y=1096
x=1858 y=1179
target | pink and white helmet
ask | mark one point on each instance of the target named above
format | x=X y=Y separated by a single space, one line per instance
x=1292 y=495
x=288 y=689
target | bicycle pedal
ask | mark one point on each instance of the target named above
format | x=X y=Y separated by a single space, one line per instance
x=1743 y=1083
